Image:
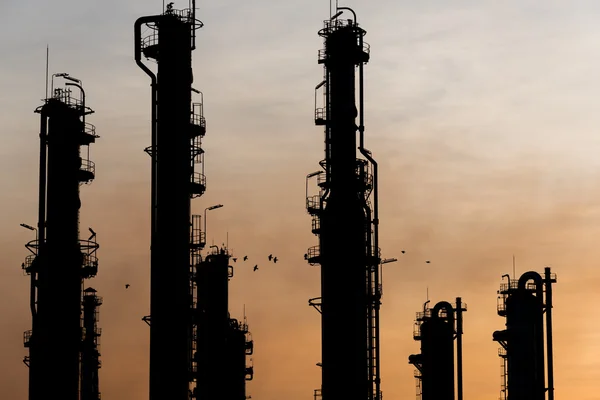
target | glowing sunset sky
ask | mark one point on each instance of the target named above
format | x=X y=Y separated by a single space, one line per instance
x=481 y=114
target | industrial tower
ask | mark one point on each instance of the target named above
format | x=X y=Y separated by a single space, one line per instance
x=437 y=328
x=188 y=295
x=221 y=343
x=346 y=222
x=59 y=260
x=523 y=303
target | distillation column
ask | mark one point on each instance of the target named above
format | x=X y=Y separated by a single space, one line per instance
x=435 y=328
x=222 y=343
x=346 y=224
x=523 y=349
x=90 y=352
x=175 y=150
x=60 y=260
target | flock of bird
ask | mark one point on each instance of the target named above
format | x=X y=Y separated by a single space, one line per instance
x=270 y=257
x=273 y=259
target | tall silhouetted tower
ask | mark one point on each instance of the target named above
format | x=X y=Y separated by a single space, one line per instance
x=177 y=176
x=60 y=260
x=524 y=305
x=346 y=221
x=221 y=343
x=437 y=328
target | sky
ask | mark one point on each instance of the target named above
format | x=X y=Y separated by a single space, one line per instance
x=481 y=115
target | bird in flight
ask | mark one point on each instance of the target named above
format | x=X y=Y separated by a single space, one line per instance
x=255 y=267
x=127 y=285
x=428 y=262
x=235 y=259
x=245 y=258
x=275 y=259
x=403 y=251
x=270 y=257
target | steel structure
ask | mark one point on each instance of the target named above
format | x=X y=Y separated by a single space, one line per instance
x=437 y=328
x=193 y=341
x=176 y=177
x=524 y=302
x=346 y=221
x=90 y=350
x=221 y=343
x=59 y=260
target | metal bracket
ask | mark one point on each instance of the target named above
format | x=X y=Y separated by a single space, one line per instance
x=315 y=303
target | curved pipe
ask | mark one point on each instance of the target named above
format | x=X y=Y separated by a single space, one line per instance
x=349 y=9
x=425 y=305
x=537 y=278
x=363 y=151
x=367 y=155
x=138 y=60
x=443 y=305
x=82 y=97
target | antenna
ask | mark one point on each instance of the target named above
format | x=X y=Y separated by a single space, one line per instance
x=47 y=63
x=227 y=242
x=514 y=268
x=427 y=293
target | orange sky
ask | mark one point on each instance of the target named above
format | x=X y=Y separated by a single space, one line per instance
x=482 y=117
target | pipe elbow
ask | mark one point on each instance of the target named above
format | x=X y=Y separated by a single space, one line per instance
x=443 y=305
x=534 y=276
x=138 y=43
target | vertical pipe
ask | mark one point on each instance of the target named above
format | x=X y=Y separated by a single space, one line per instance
x=459 y=332
x=375 y=220
x=193 y=22
x=548 y=282
x=41 y=200
x=33 y=350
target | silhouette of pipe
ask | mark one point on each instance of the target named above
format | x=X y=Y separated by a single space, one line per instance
x=345 y=8
x=42 y=206
x=539 y=284
x=82 y=95
x=443 y=305
x=548 y=282
x=367 y=155
x=138 y=60
x=193 y=18
x=459 y=332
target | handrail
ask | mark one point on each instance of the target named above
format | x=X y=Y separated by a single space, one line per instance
x=316 y=224
x=199 y=178
x=320 y=114
x=88 y=247
x=313 y=252
x=313 y=203
x=90 y=129
x=149 y=40
x=88 y=166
